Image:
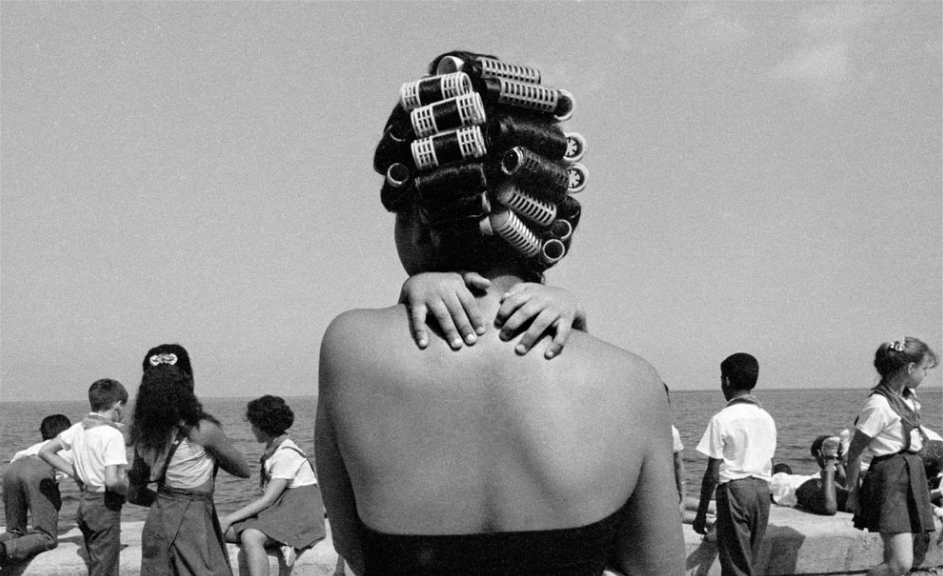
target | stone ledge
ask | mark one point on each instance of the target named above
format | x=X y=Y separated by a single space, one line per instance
x=796 y=543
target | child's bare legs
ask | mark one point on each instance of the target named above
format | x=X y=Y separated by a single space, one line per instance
x=898 y=555
x=253 y=546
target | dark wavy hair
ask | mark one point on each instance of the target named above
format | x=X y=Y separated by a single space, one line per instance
x=892 y=356
x=270 y=414
x=182 y=358
x=512 y=202
x=165 y=400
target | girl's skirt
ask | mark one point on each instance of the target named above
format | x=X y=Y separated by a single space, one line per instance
x=181 y=536
x=894 y=496
x=296 y=519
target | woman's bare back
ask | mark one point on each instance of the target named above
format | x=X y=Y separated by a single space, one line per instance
x=483 y=440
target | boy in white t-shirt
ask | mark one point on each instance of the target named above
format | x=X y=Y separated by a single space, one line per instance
x=739 y=442
x=99 y=453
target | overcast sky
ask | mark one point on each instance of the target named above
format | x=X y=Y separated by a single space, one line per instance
x=764 y=177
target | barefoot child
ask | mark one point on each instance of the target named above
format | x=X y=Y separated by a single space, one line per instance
x=289 y=514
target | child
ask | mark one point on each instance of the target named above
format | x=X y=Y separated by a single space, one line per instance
x=823 y=493
x=98 y=449
x=677 y=448
x=894 y=498
x=290 y=512
x=739 y=443
x=179 y=447
x=31 y=485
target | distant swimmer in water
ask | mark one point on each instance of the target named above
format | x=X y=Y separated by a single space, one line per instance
x=484 y=461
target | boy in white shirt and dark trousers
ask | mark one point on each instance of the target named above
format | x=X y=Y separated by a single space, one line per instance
x=739 y=443
x=98 y=449
x=31 y=488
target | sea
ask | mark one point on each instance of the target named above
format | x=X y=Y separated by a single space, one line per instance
x=800 y=416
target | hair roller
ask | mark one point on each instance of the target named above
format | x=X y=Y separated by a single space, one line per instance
x=577 y=174
x=560 y=229
x=448 y=147
x=460 y=209
x=397 y=189
x=575 y=147
x=534 y=209
x=509 y=227
x=483 y=67
x=394 y=145
x=551 y=251
x=451 y=182
x=504 y=132
x=528 y=96
x=569 y=209
x=535 y=174
x=464 y=110
x=428 y=90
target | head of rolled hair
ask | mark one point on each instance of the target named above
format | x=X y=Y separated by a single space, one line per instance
x=454 y=199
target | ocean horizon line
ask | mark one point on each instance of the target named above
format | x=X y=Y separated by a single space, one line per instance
x=205 y=397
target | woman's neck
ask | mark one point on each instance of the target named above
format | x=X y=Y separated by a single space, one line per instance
x=897 y=382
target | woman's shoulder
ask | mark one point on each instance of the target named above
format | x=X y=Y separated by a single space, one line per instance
x=354 y=323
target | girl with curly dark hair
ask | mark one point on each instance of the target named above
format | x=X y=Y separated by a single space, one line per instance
x=289 y=514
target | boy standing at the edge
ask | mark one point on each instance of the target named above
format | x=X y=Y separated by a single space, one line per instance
x=98 y=449
x=739 y=443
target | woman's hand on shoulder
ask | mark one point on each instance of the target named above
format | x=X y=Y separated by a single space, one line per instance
x=447 y=296
x=546 y=309
x=211 y=436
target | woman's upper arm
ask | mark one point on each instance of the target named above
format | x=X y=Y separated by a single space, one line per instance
x=214 y=440
x=336 y=487
x=651 y=541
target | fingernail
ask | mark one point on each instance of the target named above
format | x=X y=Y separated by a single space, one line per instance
x=549 y=354
x=504 y=336
x=423 y=342
x=471 y=339
x=457 y=343
x=520 y=349
x=480 y=330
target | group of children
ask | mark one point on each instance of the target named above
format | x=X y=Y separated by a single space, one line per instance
x=289 y=513
x=900 y=493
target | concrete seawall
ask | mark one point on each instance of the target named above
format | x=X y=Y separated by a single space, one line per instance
x=796 y=543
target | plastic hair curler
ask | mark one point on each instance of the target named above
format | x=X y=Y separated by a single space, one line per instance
x=535 y=174
x=483 y=67
x=464 y=110
x=448 y=147
x=570 y=210
x=575 y=147
x=561 y=229
x=450 y=183
x=433 y=89
x=509 y=227
x=537 y=211
x=529 y=96
x=460 y=209
x=504 y=132
x=577 y=175
x=397 y=189
x=552 y=250
x=394 y=146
